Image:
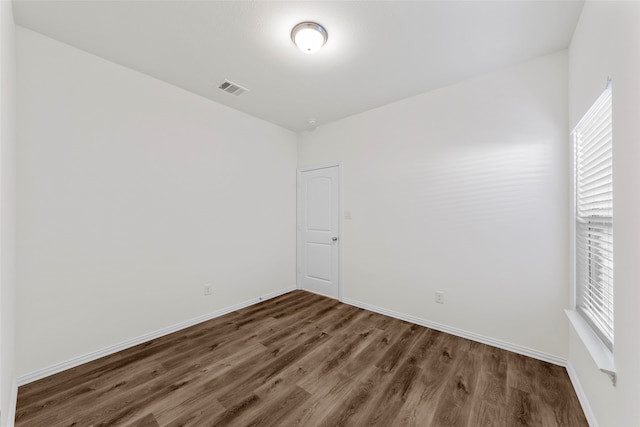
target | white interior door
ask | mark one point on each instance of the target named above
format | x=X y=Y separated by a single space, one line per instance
x=319 y=231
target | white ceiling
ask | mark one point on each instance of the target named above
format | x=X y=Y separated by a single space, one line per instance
x=378 y=51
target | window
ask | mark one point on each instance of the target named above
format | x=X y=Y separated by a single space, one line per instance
x=594 y=218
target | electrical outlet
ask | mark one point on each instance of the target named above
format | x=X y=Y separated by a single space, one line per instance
x=440 y=297
x=208 y=289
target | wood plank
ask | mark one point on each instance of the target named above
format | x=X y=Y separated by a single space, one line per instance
x=393 y=395
x=488 y=408
x=454 y=404
x=356 y=403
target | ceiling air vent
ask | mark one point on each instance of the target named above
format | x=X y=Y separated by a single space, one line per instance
x=232 y=88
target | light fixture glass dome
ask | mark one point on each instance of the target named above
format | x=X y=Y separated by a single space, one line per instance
x=309 y=36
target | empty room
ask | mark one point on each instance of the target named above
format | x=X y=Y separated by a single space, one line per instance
x=320 y=213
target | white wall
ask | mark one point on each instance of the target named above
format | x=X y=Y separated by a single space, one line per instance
x=607 y=43
x=7 y=208
x=132 y=194
x=462 y=190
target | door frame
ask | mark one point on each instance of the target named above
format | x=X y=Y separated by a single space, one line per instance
x=340 y=223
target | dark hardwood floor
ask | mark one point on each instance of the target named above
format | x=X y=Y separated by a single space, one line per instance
x=305 y=360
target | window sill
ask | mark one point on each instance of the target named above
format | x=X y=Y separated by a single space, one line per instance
x=599 y=352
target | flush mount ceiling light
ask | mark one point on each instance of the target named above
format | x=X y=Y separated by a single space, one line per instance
x=309 y=36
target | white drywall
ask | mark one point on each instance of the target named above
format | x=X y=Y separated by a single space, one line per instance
x=7 y=209
x=133 y=194
x=606 y=43
x=462 y=190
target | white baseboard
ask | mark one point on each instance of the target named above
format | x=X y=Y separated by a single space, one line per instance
x=582 y=396
x=545 y=357
x=88 y=357
x=13 y=400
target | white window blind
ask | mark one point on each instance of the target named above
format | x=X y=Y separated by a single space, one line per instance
x=594 y=218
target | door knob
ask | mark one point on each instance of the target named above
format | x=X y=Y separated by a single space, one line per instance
x=334 y=238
